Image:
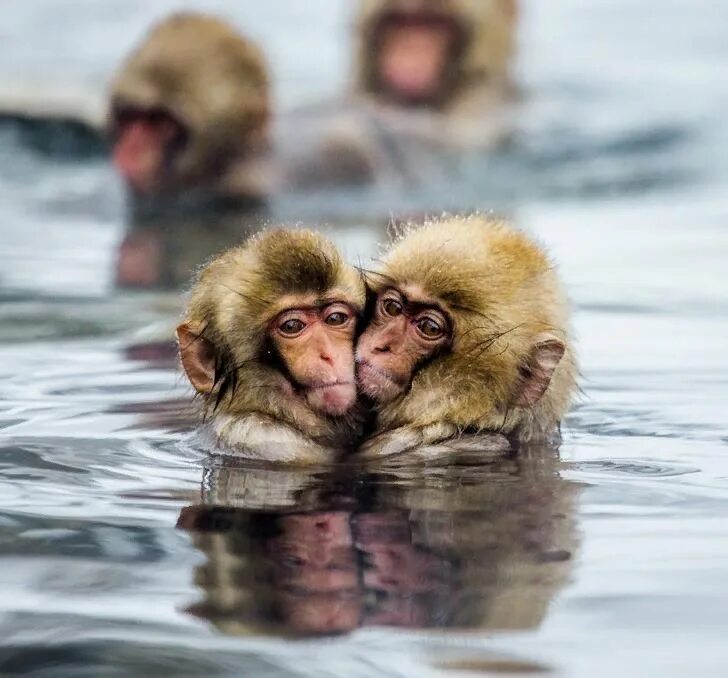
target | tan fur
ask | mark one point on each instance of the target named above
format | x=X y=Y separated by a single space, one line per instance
x=485 y=65
x=504 y=296
x=231 y=305
x=211 y=78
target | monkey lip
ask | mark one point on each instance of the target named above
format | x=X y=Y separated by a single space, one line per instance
x=335 y=398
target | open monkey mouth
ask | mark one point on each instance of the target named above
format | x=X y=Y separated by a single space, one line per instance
x=416 y=53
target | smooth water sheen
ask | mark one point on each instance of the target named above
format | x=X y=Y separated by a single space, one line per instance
x=125 y=551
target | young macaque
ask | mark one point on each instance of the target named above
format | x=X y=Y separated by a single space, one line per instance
x=448 y=57
x=268 y=343
x=190 y=112
x=469 y=334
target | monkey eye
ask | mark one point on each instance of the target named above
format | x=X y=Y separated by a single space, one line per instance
x=337 y=318
x=292 y=327
x=430 y=328
x=392 y=307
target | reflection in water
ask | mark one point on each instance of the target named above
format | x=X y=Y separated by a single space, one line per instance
x=301 y=553
x=164 y=247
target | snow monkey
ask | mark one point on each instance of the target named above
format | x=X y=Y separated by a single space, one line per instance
x=190 y=111
x=469 y=334
x=268 y=343
x=445 y=55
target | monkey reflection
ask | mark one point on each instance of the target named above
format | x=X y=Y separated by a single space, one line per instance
x=479 y=548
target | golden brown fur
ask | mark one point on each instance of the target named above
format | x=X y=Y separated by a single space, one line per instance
x=508 y=311
x=231 y=306
x=215 y=83
x=484 y=65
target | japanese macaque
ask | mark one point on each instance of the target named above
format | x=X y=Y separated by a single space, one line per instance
x=446 y=56
x=190 y=112
x=268 y=343
x=469 y=334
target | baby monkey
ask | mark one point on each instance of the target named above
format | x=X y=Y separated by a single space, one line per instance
x=468 y=335
x=268 y=343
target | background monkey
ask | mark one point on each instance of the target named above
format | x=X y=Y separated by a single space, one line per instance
x=190 y=111
x=469 y=334
x=451 y=58
x=268 y=343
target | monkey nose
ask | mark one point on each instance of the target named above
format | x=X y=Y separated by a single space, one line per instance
x=385 y=348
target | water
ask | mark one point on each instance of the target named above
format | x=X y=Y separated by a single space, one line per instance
x=127 y=552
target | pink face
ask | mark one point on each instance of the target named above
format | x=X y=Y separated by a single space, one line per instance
x=404 y=333
x=317 y=348
x=144 y=146
x=415 y=47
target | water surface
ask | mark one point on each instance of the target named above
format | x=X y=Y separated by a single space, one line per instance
x=126 y=551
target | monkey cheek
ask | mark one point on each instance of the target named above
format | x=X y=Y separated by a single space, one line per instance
x=334 y=401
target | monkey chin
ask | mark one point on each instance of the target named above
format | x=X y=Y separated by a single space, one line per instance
x=334 y=400
x=377 y=384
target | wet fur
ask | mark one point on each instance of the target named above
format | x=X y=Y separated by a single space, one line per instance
x=502 y=294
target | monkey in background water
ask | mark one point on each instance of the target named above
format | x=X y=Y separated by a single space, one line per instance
x=432 y=80
x=190 y=113
x=453 y=57
x=468 y=334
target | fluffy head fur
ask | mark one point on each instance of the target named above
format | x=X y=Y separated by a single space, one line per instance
x=210 y=78
x=503 y=297
x=489 y=31
x=232 y=303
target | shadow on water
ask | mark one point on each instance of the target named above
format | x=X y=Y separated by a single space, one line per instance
x=297 y=553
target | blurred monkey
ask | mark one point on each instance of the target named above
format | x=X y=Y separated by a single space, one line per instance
x=190 y=112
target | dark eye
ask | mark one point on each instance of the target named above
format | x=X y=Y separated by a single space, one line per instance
x=292 y=327
x=429 y=328
x=337 y=318
x=392 y=307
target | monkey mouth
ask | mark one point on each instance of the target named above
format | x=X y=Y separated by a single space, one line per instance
x=332 y=384
x=333 y=399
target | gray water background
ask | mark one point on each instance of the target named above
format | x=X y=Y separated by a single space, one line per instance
x=619 y=167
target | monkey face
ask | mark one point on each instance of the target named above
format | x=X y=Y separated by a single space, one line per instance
x=414 y=48
x=316 y=348
x=429 y=53
x=407 y=331
x=146 y=145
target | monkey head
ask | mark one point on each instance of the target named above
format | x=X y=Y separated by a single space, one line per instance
x=191 y=99
x=270 y=330
x=469 y=329
x=429 y=53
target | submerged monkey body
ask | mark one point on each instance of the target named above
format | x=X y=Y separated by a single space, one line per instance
x=470 y=334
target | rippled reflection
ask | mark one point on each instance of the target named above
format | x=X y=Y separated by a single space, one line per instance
x=326 y=552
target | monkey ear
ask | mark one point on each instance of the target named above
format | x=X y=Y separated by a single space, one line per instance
x=538 y=369
x=197 y=355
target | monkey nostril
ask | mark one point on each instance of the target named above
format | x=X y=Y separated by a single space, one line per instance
x=382 y=349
